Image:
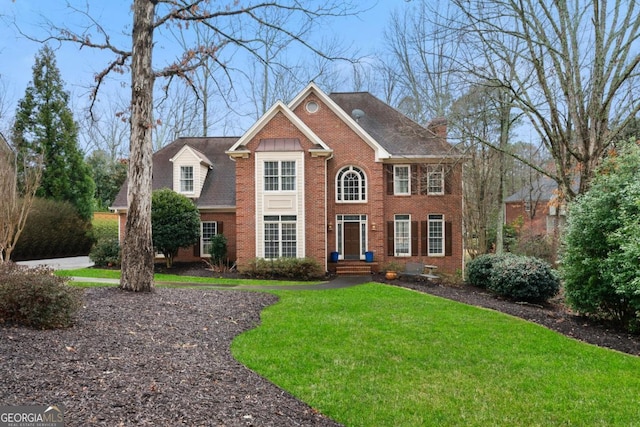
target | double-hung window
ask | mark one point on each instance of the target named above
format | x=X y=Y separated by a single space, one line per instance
x=402 y=235
x=279 y=175
x=280 y=238
x=186 y=179
x=401 y=180
x=435 y=179
x=208 y=229
x=435 y=234
x=351 y=185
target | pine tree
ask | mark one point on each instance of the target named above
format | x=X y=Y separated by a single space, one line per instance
x=44 y=124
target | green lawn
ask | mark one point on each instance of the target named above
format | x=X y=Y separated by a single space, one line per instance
x=171 y=278
x=376 y=355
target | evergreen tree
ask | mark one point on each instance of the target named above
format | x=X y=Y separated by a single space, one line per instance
x=44 y=124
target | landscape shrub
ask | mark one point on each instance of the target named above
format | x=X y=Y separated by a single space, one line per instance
x=479 y=270
x=524 y=278
x=37 y=298
x=106 y=253
x=53 y=230
x=284 y=268
x=601 y=245
x=218 y=249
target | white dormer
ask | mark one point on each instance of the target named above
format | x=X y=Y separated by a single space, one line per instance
x=190 y=168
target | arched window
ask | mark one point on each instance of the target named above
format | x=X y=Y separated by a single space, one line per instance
x=351 y=185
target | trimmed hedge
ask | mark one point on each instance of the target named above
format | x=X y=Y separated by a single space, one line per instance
x=53 y=230
x=284 y=268
x=521 y=278
x=37 y=298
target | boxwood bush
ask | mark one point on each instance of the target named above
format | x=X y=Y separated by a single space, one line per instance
x=284 y=268
x=37 y=298
x=106 y=253
x=524 y=278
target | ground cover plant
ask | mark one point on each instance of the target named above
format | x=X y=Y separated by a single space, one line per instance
x=375 y=355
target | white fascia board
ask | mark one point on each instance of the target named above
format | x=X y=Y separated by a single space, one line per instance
x=197 y=154
x=278 y=107
x=381 y=153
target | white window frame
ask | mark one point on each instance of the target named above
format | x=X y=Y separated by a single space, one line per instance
x=402 y=235
x=435 y=179
x=283 y=180
x=186 y=180
x=398 y=181
x=360 y=195
x=284 y=242
x=435 y=235
x=205 y=241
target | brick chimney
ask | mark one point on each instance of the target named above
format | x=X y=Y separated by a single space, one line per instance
x=438 y=126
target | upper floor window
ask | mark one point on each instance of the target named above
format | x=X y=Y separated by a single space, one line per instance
x=186 y=179
x=435 y=179
x=401 y=179
x=279 y=175
x=351 y=185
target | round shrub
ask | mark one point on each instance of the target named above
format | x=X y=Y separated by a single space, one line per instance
x=479 y=270
x=524 y=279
x=106 y=253
x=37 y=298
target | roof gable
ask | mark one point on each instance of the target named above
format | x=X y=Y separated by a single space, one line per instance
x=238 y=149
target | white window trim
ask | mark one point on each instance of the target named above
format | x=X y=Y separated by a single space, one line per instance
x=279 y=176
x=193 y=179
x=203 y=253
x=430 y=221
x=396 y=182
x=395 y=234
x=433 y=169
x=363 y=182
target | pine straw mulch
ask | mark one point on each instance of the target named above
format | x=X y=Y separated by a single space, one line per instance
x=164 y=358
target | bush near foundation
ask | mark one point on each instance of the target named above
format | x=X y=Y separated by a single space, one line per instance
x=37 y=298
x=284 y=268
x=479 y=269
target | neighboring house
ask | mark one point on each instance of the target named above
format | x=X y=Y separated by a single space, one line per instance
x=342 y=178
x=536 y=206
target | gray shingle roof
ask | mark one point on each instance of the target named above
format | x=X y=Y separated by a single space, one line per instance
x=395 y=132
x=219 y=188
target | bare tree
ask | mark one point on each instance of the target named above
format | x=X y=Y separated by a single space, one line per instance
x=577 y=72
x=16 y=197
x=149 y=17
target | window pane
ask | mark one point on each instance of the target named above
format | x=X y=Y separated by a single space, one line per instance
x=351 y=185
x=289 y=240
x=436 y=180
x=436 y=235
x=186 y=179
x=209 y=229
x=402 y=235
x=271 y=176
x=288 y=176
x=401 y=179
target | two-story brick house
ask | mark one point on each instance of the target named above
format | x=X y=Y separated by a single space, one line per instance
x=341 y=176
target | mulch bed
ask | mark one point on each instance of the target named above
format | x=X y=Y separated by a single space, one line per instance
x=164 y=358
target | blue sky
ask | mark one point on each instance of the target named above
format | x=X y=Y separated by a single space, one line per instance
x=78 y=67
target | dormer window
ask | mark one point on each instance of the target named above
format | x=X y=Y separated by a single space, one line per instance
x=186 y=179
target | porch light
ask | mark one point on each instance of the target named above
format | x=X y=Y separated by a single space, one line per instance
x=330 y=226
x=373 y=226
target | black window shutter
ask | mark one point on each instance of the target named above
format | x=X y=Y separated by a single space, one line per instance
x=424 y=179
x=390 y=238
x=414 y=179
x=423 y=237
x=196 y=247
x=448 y=239
x=414 y=238
x=448 y=174
x=219 y=229
x=389 y=174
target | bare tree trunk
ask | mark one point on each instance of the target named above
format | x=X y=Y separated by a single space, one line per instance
x=137 y=250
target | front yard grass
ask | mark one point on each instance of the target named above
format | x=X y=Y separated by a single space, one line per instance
x=376 y=355
x=172 y=278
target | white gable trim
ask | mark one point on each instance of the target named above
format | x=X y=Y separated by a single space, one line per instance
x=197 y=154
x=278 y=107
x=381 y=153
